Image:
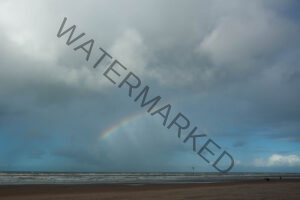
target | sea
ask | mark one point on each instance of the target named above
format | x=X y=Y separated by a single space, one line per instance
x=22 y=178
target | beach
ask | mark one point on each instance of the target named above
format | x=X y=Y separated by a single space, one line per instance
x=274 y=189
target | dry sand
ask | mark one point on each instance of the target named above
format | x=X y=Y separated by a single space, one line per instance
x=284 y=189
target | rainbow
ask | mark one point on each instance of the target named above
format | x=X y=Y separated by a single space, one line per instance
x=123 y=122
x=127 y=120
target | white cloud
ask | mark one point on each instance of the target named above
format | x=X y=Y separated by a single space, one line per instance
x=277 y=160
x=238 y=162
x=130 y=50
x=25 y=27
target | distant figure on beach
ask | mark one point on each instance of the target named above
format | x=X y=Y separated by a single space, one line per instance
x=280 y=178
x=267 y=179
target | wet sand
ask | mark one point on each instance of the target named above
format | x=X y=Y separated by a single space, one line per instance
x=279 y=189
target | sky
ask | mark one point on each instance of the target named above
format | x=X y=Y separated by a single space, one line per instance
x=232 y=68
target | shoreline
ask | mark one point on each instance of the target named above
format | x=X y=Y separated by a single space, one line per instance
x=19 y=178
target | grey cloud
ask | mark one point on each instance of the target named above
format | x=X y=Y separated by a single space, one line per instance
x=231 y=67
x=239 y=144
